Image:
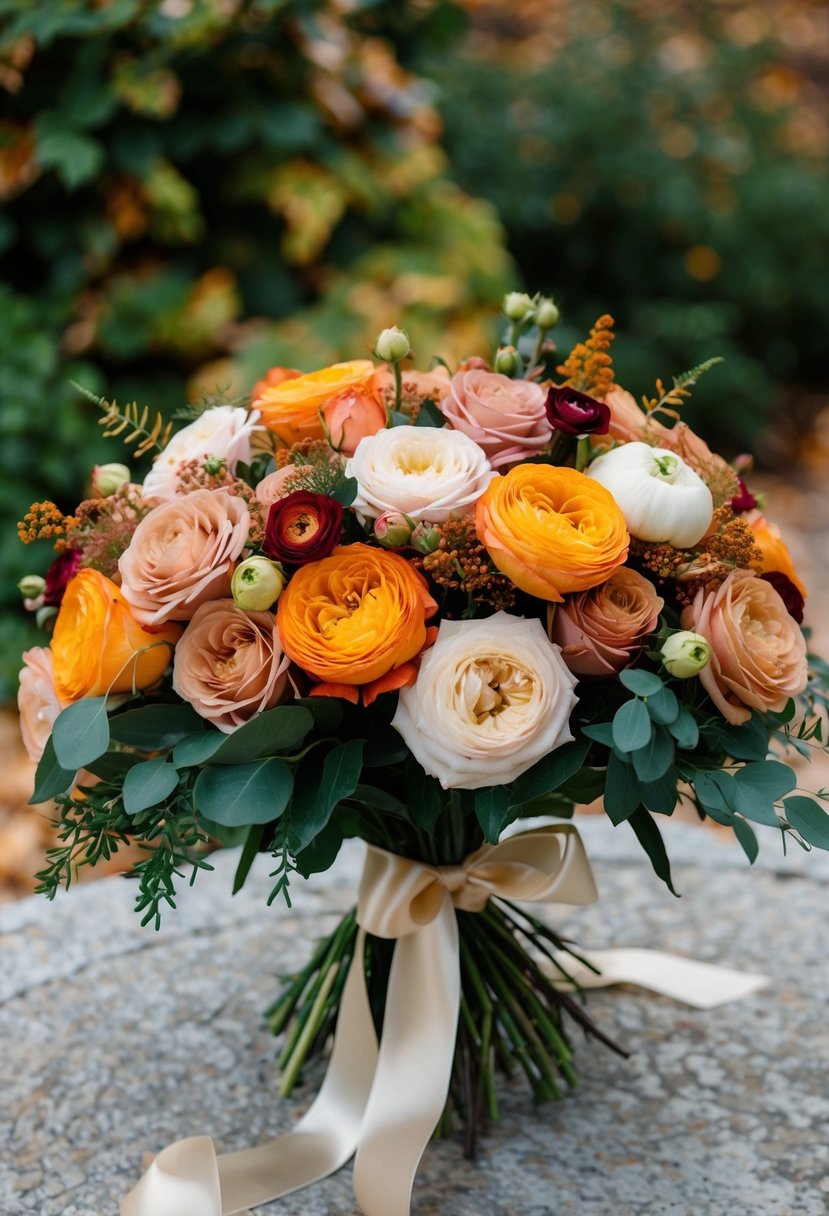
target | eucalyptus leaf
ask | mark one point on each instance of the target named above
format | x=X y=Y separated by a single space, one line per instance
x=149 y=784
x=155 y=727
x=81 y=732
x=809 y=819
x=664 y=707
x=684 y=729
x=197 y=749
x=241 y=794
x=632 y=727
x=622 y=793
x=51 y=778
x=275 y=732
x=654 y=759
x=746 y=838
x=643 y=683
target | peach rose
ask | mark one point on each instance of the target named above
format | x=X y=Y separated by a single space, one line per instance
x=433 y=385
x=229 y=664
x=551 y=530
x=776 y=556
x=280 y=483
x=352 y=415
x=758 y=654
x=507 y=418
x=37 y=700
x=291 y=408
x=357 y=617
x=602 y=630
x=98 y=646
x=182 y=554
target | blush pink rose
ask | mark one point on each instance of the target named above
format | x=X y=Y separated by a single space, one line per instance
x=229 y=664
x=352 y=415
x=758 y=653
x=601 y=631
x=507 y=418
x=182 y=554
x=280 y=484
x=37 y=700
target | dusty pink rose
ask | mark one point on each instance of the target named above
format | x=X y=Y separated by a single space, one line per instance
x=417 y=386
x=507 y=418
x=37 y=700
x=352 y=415
x=182 y=554
x=758 y=654
x=601 y=631
x=281 y=483
x=229 y=664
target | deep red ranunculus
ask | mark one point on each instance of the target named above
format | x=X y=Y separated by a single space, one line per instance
x=745 y=500
x=65 y=566
x=303 y=527
x=574 y=413
x=789 y=594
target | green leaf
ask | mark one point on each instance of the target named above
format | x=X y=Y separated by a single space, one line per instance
x=113 y=766
x=380 y=799
x=547 y=804
x=321 y=853
x=584 y=786
x=550 y=773
x=631 y=726
x=50 y=778
x=750 y=741
x=768 y=780
x=425 y=797
x=654 y=759
x=492 y=805
x=247 y=856
x=602 y=732
x=240 y=794
x=745 y=835
x=316 y=799
x=664 y=707
x=809 y=819
x=661 y=795
x=684 y=729
x=650 y=838
x=154 y=728
x=327 y=712
x=275 y=732
x=622 y=793
x=643 y=683
x=148 y=784
x=429 y=414
x=346 y=491
x=715 y=790
x=197 y=749
x=81 y=732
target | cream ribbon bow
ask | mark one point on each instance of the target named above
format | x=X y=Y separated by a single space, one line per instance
x=382 y=1103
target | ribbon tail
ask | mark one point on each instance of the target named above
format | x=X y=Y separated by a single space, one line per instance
x=414 y=1068
x=701 y=985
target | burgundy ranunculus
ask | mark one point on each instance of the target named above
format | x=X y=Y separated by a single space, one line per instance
x=745 y=500
x=575 y=413
x=789 y=594
x=65 y=566
x=303 y=527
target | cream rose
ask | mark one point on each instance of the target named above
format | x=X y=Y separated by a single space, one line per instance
x=37 y=700
x=182 y=554
x=229 y=664
x=223 y=432
x=505 y=417
x=491 y=698
x=424 y=472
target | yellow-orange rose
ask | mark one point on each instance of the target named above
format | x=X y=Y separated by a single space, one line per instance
x=291 y=409
x=551 y=530
x=355 y=618
x=776 y=556
x=98 y=646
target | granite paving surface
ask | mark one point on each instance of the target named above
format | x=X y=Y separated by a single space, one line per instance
x=117 y=1040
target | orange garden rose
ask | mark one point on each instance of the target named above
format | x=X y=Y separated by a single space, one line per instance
x=357 y=617
x=98 y=646
x=291 y=408
x=776 y=556
x=551 y=530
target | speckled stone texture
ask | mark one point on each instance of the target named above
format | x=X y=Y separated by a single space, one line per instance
x=117 y=1040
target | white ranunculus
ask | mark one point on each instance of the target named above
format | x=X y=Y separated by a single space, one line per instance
x=223 y=432
x=425 y=472
x=661 y=498
x=491 y=698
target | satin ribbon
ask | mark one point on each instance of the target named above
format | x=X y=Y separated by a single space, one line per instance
x=383 y=1102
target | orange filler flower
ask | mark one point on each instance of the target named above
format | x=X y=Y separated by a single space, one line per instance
x=356 y=618
x=551 y=530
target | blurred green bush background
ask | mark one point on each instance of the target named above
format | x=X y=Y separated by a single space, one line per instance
x=194 y=190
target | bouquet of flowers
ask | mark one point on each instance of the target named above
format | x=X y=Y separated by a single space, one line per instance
x=415 y=608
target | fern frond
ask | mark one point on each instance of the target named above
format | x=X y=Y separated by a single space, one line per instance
x=667 y=401
x=117 y=419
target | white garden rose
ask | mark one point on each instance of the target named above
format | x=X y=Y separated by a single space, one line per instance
x=425 y=472
x=660 y=496
x=491 y=698
x=222 y=432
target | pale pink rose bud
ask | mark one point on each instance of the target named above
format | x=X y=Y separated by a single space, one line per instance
x=350 y=417
x=392 y=345
x=547 y=315
x=257 y=584
x=684 y=654
x=393 y=529
x=518 y=305
x=107 y=479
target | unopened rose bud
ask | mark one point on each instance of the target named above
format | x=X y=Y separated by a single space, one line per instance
x=392 y=345
x=425 y=538
x=45 y=616
x=547 y=315
x=518 y=305
x=31 y=586
x=107 y=479
x=685 y=654
x=257 y=584
x=508 y=361
x=392 y=529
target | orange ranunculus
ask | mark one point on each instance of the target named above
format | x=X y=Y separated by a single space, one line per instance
x=98 y=647
x=551 y=530
x=776 y=556
x=357 y=617
x=291 y=409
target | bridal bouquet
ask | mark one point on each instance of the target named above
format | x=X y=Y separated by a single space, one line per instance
x=416 y=607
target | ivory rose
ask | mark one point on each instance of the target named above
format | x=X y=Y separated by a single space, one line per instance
x=291 y=408
x=223 y=432
x=229 y=664
x=424 y=472
x=551 y=530
x=98 y=646
x=357 y=617
x=182 y=554
x=491 y=698
x=37 y=701
x=758 y=653
x=601 y=631
x=507 y=418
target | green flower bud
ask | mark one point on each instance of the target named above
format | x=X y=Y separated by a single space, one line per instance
x=392 y=529
x=107 y=479
x=508 y=361
x=45 y=616
x=214 y=465
x=547 y=315
x=392 y=345
x=685 y=654
x=257 y=584
x=425 y=538
x=31 y=586
x=518 y=305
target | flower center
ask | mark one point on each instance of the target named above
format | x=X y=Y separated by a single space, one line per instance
x=665 y=467
x=302 y=527
x=495 y=686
